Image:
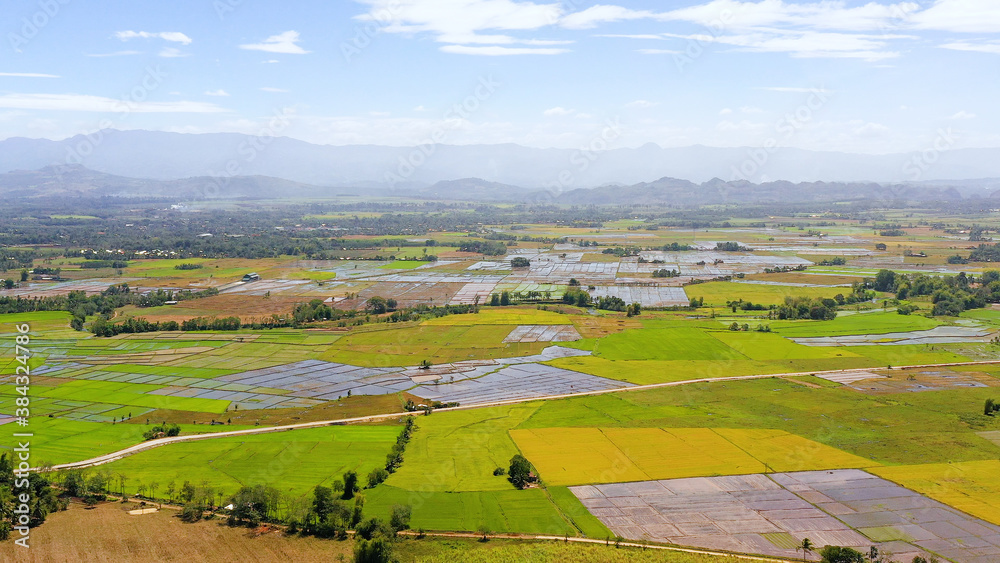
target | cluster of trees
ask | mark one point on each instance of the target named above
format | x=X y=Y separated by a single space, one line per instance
x=394 y=458
x=731 y=247
x=520 y=262
x=950 y=294
x=42 y=501
x=991 y=407
x=100 y=264
x=581 y=298
x=380 y=305
x=676 y=247
x=506 y=298
x=985 y=253
x=622 y=251
x=485 y=247
x=835 y=261
x=737 y=327
x=161 y=431
x=806 y=308
x=665 y=273
x=188 y=266
x=892 y=233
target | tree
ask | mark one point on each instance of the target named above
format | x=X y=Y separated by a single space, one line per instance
x=806 y=547
x=350 y=484
x=399 y=518
x=485 y=531
x=520 y=262
x=377 y=305
x=520 y=471
x=989 y=407
x=375 y=550
x=835 y=554
x=504 y=298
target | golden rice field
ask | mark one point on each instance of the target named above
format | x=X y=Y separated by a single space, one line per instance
x=503 y=316
x=972 y=486
x=578 y=456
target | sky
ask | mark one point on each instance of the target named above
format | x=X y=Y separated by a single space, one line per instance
x=864 y=77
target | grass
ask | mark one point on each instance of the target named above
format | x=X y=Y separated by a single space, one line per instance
x=858 y=323
x=578 y=456
x=436 y=343
x=503 y=316
x=894 y=429
x=129 y=394
x=660 y=344
x=717 y=294
x=293 y=462
x=972 y=487
x=405 y=265
x=458 y=451
x=581 y=518
x=506 y=511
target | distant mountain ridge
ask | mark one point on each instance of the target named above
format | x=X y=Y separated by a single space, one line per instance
x=79 y=181
x=172 y=156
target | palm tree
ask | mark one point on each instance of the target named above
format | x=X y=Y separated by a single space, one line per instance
x=806 y=546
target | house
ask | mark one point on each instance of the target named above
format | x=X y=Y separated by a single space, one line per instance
x=251 y=277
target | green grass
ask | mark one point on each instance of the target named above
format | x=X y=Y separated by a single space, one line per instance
x=293 y=462
x=435 y=550
x=129 y=394
x=458 y=451
x=582 y=519
x=405 y=265
x=858 y=323
x=506 y=511
x=660 y=344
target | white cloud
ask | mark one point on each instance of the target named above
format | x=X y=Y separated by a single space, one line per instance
x=591 y=17
x=796 y=90
x=992 y=47
x=270 y=61
x=172 y=36
x=379 y=113
x=558 y=111
x=497 y=51
x=220 y=92
x=28 y=75
x=284 y=43
x=641 y=104
x=658 y=52
x=114 y=54
x=420 y=108
x=274 y=90
x=725 y=111
x=172 y=53
x=870 y=130
x=85 y=103
x=961 y=16
x=751 y=109
x=807 y=44
x=963 y=115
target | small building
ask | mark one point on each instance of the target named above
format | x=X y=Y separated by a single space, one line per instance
x=251 y=277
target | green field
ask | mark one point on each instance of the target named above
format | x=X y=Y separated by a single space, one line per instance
x=717 y=294
x=293 y=462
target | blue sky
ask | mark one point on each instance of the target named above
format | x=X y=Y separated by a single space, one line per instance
x=871 y=77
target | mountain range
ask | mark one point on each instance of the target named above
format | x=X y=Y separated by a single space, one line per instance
x=176 y=156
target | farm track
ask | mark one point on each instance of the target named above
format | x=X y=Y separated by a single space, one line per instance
x=117 y=455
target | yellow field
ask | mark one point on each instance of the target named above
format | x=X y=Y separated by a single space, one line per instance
x=972 y=486
x=503 y=316
x=578 y=456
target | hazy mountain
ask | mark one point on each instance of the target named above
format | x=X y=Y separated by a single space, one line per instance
x=78 y=181
x=171 y=156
